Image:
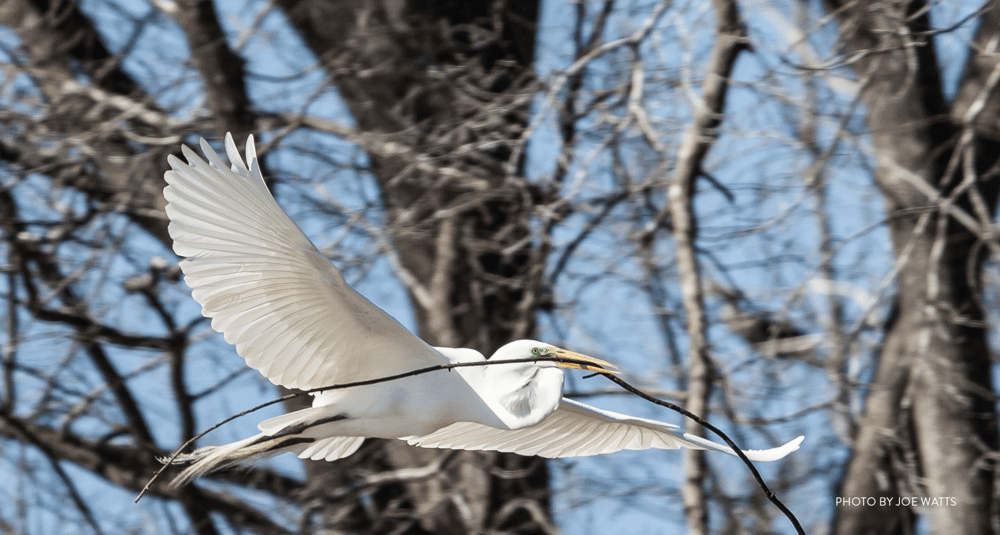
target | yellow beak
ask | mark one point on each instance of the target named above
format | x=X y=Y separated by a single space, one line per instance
x=579 y=361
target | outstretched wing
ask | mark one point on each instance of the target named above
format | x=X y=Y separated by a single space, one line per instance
x=577 y=430
x=267 y=288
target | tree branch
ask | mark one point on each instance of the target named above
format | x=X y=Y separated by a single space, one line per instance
x=222 y=70
x=701 y=134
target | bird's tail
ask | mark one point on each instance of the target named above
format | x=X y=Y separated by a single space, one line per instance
x=212 y=458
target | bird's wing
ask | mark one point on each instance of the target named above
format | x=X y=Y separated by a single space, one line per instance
x=576 y=430
x=267 y=288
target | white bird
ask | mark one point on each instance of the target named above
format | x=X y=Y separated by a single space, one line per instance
x=293 y=317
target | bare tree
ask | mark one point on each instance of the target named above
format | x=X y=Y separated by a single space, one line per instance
x=783 y=218
x=442 y=88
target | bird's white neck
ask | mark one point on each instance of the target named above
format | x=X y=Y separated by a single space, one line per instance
x=519 y=394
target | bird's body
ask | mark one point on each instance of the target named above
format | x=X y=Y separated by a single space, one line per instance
x=386 y=409
x=293 y=317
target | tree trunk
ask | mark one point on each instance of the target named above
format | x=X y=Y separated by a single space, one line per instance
x=446 y=79
x=929 y=423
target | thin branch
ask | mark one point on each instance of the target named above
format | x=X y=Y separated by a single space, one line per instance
x=125 y=467
x=74 y=494
x=577 y=66
x=739 y=453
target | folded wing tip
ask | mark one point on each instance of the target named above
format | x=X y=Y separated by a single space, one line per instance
x=774 y=454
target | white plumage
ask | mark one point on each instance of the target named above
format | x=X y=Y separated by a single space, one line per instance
x=293 y=317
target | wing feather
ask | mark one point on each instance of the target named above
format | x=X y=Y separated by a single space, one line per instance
x=576 y=430
x=288 y=311
x=331 y=449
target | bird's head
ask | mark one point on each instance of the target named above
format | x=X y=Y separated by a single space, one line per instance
x=549 y=356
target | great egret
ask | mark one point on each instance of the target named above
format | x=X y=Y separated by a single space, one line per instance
x=294 y=318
